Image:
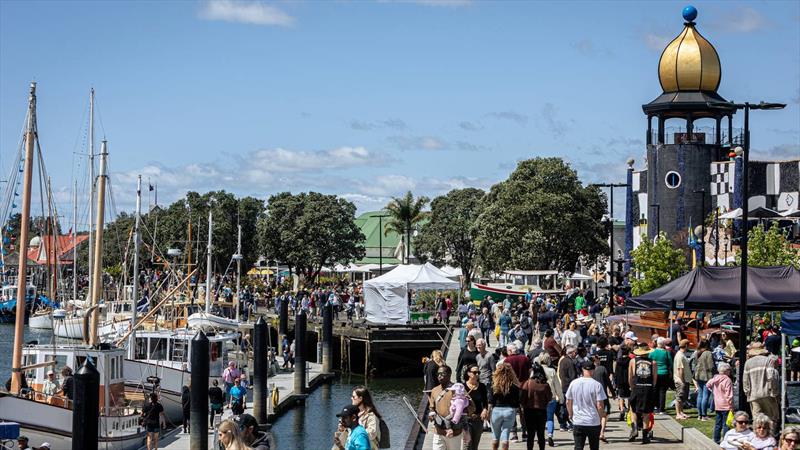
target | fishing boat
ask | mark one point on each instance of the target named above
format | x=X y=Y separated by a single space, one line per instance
x=8 y=301
x=514 y=283
x=159 y=344
x=49 y=418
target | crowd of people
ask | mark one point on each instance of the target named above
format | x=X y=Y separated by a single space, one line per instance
x=558 y=359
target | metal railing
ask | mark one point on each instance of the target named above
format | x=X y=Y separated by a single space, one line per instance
x=700 y=135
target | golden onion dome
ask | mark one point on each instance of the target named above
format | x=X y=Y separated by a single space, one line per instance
x=690 y=62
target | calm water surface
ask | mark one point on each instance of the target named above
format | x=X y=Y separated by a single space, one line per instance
x=312 y=427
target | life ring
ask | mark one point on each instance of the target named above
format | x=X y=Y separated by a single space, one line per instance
x=275 y=397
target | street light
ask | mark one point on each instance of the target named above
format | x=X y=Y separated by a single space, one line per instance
x=380 y=242
x=610 y=218
x=745 y=154
x=702 y=193
x=657 y=206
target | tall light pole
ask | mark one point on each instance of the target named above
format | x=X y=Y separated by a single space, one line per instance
x=657 y=206
x=380 y=242
x=611 y=187
x=702 y=193
x=745 y=155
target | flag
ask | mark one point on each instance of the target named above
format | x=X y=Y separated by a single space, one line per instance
x=150 y=187
x=692 y=241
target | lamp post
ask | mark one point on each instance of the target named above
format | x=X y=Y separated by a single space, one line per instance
x=744 y=152
x=657 y=206
x=611 y=187
x=380 y=242
x=702 y=193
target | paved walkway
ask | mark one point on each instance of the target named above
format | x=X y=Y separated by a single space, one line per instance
x=666 y=434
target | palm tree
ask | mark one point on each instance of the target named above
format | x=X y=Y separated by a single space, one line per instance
x=404 y=213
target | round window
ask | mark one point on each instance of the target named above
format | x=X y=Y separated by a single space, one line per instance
x=673 y=179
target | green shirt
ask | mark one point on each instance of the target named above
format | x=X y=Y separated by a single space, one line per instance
x=663 y=359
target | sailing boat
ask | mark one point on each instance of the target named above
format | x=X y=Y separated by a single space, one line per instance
x=49 y=418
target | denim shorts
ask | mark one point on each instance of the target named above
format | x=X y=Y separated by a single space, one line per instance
x=503 y=418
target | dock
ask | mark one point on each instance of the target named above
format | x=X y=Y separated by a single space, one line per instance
x=284 y=382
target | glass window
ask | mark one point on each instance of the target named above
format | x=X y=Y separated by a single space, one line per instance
x=672 y=179
x=158 y=349
x=216 y=351
x=140 y=352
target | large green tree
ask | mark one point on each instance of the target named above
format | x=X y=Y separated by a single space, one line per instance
x=656 y=264
x=309 y=230
x=405 y=213
x=769 y=248
x=541 y=217
x=450 y=234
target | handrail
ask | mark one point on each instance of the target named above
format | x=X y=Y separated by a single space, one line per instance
x=422 y=409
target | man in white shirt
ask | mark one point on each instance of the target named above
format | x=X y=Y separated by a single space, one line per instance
x=585 y=403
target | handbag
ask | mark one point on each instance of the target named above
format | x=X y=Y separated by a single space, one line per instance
x=497 y=331
x=729 y=420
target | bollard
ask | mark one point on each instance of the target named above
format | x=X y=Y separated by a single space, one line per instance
x=300 y=353
x=198 y=418
x=283 y=324
x=260 y=369
x=327 y=338
x=86 y=407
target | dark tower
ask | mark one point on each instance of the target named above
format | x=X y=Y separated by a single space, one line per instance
x=678 y=162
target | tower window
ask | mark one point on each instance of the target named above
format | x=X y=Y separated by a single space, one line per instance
x=673 y=179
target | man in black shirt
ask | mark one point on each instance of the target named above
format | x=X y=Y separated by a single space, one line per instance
x=605 y=355
x=216 y=400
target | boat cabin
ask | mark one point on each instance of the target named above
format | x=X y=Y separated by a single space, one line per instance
x=9 y=292
x=520 y=281
x=43 y=358
x=172 y=348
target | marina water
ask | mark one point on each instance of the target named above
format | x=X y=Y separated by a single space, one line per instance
x=310 y=427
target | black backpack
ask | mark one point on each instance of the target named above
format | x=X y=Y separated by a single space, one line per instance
x=384 y=441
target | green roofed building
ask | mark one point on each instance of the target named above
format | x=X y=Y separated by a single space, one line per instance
x=375 y=245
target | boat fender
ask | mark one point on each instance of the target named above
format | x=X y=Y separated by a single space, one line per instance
x=275 y=397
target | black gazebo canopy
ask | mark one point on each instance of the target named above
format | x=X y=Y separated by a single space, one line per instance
x=717 y=289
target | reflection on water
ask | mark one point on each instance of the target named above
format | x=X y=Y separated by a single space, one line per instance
x=312 y=427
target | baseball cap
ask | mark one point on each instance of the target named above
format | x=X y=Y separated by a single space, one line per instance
x=22 y=437
x=50 y=372
x=631 y=335
x=244 y=421
x=348 y=411
x=45 y=445
x=587 y=365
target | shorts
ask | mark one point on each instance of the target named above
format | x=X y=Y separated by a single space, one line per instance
x=681 y=391
x=153 y=428
x=624 y=391
x=643 y=400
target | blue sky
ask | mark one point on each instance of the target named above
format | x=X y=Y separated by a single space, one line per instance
x=368 y=99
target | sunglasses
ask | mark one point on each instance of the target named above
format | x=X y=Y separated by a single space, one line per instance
x=743 y=422
x=793 y=441
x=474 y=372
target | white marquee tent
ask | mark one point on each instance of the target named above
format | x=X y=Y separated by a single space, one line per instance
x=386 y=296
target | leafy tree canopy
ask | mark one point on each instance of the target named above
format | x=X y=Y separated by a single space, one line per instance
x=450 y=234
x=541 y=217
x=769 y=248
x=309 y=230
x=656 y=264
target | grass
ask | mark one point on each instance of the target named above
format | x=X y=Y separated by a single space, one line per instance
x=706 y=427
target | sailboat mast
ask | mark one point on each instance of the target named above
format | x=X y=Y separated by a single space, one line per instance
x=238 y=271
x=52 y=250
x=97 y=274
x=24 y=224
x=208 y=261
x=75 y=242
x=91 y=185
x=136 y=240
x=189 y=255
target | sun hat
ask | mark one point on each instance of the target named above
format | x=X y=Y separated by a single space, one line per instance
x=756 y=349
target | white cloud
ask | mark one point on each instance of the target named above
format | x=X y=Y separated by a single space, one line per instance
x=418 y=142
x=283 y=160
x=513 y=116
x=255 y=13
x=656 y=42
x=741 y=20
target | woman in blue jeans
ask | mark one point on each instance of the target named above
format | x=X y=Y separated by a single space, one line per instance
x=704 y=371
x=504 y=399
x=558 y=396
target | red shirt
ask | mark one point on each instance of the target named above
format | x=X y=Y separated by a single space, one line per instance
x=521 y=366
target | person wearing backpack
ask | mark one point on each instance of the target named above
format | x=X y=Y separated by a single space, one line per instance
x=368 y=415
